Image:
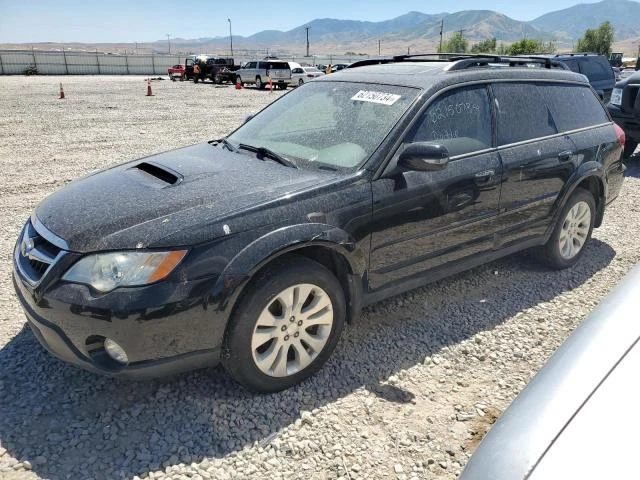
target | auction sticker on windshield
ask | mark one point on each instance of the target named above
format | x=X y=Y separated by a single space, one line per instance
x=376 y=97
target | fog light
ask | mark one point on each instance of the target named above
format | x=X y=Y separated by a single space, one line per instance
x=115 y=351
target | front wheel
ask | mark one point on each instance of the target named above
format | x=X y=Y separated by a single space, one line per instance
x=300 y=82
x=572 y=232
x=286 y=326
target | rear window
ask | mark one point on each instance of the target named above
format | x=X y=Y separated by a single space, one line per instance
x=278 y=66
x=522 y=113
x=573 y=106
x=596 y=68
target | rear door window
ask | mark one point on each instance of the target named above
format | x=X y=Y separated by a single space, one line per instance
x=522 y=113
x=459 y=120
x=595 y=70
x=573 y=106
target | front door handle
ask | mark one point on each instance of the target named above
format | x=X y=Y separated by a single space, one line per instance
x=566 y=155
x=485 y=176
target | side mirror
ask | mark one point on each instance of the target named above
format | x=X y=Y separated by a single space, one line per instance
x=424 y=157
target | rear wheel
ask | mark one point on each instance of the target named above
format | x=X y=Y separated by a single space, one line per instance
x=286 y=326
x=630 y=147
x=259 y=84
x=301 y=82
x=572 y=232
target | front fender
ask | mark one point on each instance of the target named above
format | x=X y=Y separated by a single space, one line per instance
x=237 y=273
x=264 y=249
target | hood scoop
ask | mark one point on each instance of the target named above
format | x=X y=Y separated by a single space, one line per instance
x=155 y=175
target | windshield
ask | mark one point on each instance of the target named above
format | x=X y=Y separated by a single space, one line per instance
x=328 y=124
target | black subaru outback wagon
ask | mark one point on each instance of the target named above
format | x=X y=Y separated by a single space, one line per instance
x=255 y=249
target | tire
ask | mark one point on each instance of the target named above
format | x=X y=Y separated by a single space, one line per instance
x=195 y=79
x=571 y=233
x=239 y=80
x=300 y=82
x=263 y=327
x=259 y=84
x=629 y=147
x=217 y=80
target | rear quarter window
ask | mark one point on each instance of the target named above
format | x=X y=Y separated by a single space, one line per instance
x=573 y=106
x=522 y=113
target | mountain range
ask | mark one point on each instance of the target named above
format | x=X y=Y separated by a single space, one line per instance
x=562 y=26
x=413 y=31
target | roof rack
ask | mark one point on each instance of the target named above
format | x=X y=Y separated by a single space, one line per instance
x=462 y=61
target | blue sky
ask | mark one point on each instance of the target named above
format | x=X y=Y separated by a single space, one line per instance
x=89 y=21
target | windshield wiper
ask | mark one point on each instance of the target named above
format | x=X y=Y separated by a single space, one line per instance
x=263 y=152
x=230 y=146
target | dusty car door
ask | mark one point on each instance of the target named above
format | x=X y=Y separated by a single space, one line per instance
x=537 y=160
x=424 y=220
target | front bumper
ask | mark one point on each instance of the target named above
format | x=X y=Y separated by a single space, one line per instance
x=159 y=346
x=165 y=328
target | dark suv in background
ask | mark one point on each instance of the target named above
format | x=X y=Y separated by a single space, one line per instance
x=595 y=67
x=255 y=249
x=624 y=107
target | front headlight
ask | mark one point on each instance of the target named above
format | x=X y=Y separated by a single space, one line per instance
x=106 y=271
x=616 y=97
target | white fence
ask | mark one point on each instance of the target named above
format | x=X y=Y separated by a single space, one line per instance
x=67 y=63
x=17 y=62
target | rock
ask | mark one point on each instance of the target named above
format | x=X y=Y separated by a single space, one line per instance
x=398 y=468
x=307 y=418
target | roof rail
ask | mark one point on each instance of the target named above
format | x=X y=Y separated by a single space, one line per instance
x=463 y=61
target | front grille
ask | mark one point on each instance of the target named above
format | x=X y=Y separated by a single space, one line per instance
x=35 y=254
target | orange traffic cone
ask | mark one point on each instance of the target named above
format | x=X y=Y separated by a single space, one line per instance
x=61 y=95
x=238 y=84
x=149 y=92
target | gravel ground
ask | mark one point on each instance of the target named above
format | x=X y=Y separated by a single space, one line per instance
x=408 y=393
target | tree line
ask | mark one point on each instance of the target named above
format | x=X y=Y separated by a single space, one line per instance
x=595 y=40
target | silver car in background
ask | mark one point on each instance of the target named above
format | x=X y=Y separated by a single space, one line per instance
x=577 y=418
x=258 y=72
x=300 y=75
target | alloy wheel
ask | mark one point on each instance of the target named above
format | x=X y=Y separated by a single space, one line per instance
x=575 y=230
x=292 y=330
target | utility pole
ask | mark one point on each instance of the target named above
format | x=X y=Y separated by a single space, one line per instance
x=441 y=29
x=307 y=29
x=230 y=37
x=378 y=47
x=169 y=42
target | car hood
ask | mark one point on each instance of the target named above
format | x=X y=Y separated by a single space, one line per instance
x=144 y=203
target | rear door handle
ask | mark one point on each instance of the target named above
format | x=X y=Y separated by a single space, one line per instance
x=566 y=155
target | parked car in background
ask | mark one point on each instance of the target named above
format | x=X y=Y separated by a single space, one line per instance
x=254 y=250
x=220 y=70
x=338 y=66
x=177 y=71
x=595 y=67
x=257 y=72
x=624 y=108
x=300 y=75
x=574 y=416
